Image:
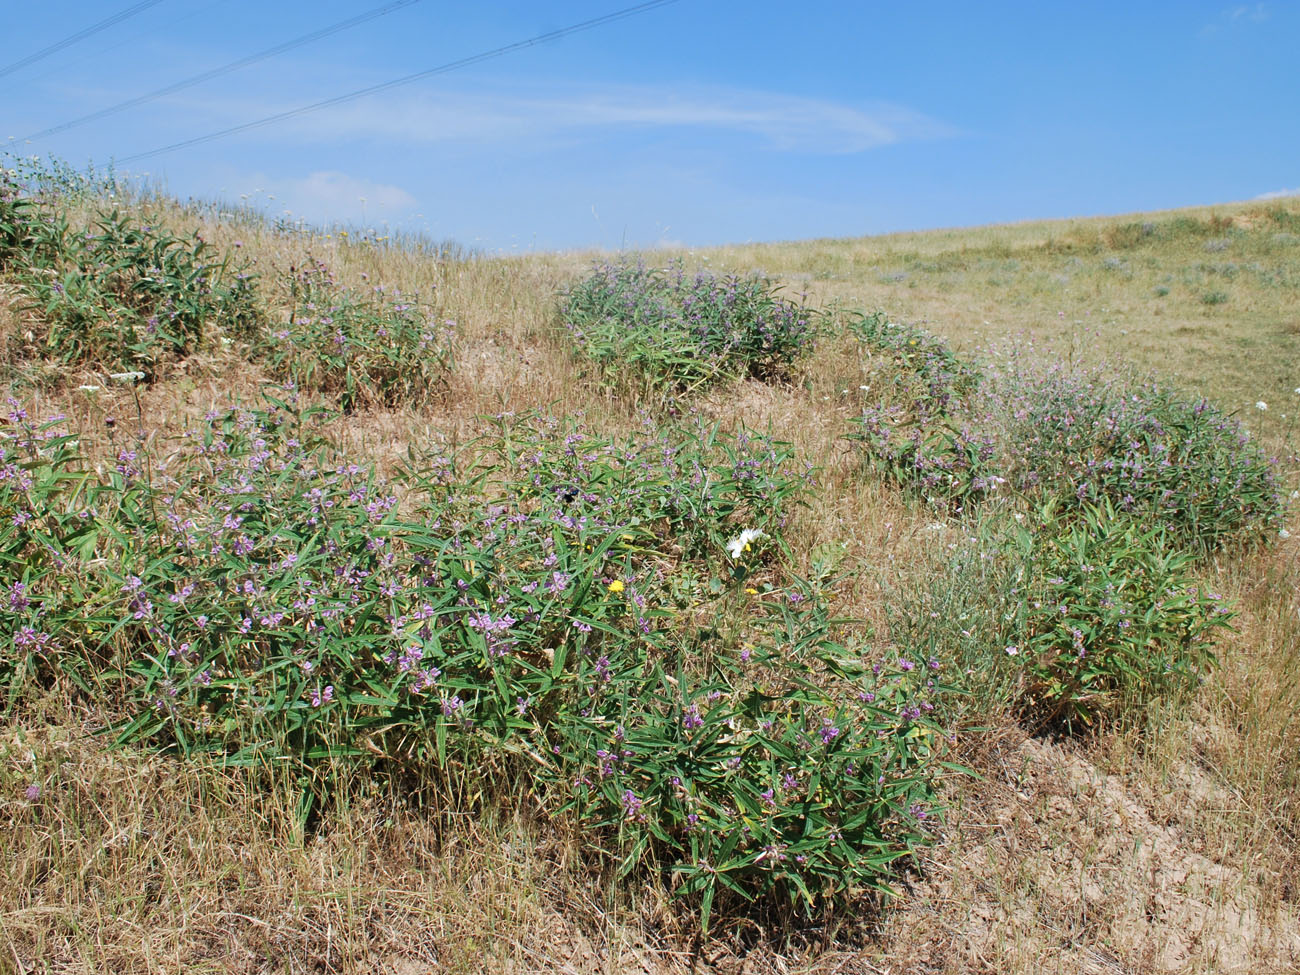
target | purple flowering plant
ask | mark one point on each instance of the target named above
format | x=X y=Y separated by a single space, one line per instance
x=42 y=529
x=120 y=292
x=502 y=611
x=358 y=347
x=791 y=767
x=1111 y=616
x=1145 y=449
x=667 y=330
x=918 y=429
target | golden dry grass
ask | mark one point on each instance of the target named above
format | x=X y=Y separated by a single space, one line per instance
x=1116 y=854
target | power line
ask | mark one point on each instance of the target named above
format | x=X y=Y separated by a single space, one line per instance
x=81 y=35
x=227 y=68
x=407 y=79
x=132 y=38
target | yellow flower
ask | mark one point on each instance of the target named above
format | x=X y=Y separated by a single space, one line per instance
x=752 y=592
x=616 y=585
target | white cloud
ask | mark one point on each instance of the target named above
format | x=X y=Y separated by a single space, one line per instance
x=1278 y=194
x=327 y=196
x=1258 y=12
x=784 y=122
x=1245 y=13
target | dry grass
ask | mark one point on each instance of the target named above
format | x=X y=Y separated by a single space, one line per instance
x=1177 y=853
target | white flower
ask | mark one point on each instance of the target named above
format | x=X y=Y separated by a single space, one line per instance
x=126 y=377
x=1283 y=533
x=1012 y=651
x=1261 y=405
x=89 y=389
x=1297 y=390
x=744 y=542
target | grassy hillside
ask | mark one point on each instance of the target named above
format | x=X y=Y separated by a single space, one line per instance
x=1132 y=806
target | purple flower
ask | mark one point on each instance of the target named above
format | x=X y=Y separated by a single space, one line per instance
x=319 y=697
x=633 y=805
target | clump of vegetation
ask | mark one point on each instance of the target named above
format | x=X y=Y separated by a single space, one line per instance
x=42 y=521
x=952 y=468
x=34 y=192
x=17 y=211
x=918 y=428
x=1113 y=617
x=382 y=348
x=795 y=766
x=1097 y=616
x=121 y=291
x=1065 y=618
x=127 y=292
x=1086 y=436
x=504 y=615
x=1143 y=449
x=670 y=330
x=918 y=369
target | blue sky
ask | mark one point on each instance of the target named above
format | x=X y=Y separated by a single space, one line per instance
x=696 y=123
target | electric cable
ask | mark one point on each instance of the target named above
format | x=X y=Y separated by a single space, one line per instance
x=226 y=68
x=61 y=69
x=406 y=79
x=81 y=35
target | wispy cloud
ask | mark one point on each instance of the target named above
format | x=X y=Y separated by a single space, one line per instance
x=327 y=196
x=782 y=122
x=1279 y=194
x=1254 y=13
x=1236 y=16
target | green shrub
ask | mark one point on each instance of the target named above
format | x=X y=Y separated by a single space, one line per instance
x=128 y=293
x=917 y=429
x=667 y=330
x=254 y=550
x=501 y=617
x=35 y=196
x=792 y=768
x=43 y=525
x=917 y=370
x=1113 y=619
x=381 y=349
x=951 y=468
x=1144 y=449
x=16 y=214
